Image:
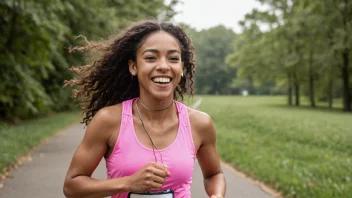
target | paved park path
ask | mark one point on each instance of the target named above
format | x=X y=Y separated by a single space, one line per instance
x=43 y=176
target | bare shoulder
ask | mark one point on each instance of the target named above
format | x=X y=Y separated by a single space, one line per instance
x=105 y=121
x=199 y=120
x=203 y=129
x=109 y=115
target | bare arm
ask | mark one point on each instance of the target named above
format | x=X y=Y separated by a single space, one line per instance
x=208 y=158
x=78 y=181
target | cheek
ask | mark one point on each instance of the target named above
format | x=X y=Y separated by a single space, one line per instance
x=144 y=67
x=177 y=68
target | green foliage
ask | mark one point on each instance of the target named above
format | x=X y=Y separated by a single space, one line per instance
x=213 y=75
x=25 y=55
x=299 y=151
x=34 y=39
x=302 y=49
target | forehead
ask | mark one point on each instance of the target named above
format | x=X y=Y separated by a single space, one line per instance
x=160 y=40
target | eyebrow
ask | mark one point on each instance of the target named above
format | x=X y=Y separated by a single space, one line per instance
x=157 y=51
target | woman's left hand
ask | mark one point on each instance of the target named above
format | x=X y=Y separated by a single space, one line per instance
x=216 y=196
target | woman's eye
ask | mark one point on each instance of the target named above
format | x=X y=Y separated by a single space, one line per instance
x=150 y=58
x=174 y=58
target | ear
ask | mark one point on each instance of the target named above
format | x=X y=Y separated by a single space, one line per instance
x=132 y=66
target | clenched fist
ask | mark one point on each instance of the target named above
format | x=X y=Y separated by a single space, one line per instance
x=151 y=176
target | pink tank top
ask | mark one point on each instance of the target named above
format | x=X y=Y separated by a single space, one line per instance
x=129 y=155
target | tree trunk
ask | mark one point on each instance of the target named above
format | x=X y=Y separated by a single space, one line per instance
x=344 y=69
x=311 y=80
x=329 y=36
x=296 y=84
x=295 y=77
x=297 y=94
x=330 y=88
x=345 y=79
x=289 y=89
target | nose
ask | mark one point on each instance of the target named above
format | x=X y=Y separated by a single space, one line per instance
x=163 y=65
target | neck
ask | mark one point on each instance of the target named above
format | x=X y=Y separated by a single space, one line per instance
x=155 y=109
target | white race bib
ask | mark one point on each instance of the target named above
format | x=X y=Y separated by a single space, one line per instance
x=162 y=194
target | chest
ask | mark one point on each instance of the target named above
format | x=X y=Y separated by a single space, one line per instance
x=180 y=164
x=161 y=135
x=178 y=156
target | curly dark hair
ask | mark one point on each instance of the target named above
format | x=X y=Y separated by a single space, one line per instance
x=108 y=81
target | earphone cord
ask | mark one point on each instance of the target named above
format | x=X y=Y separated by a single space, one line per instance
x=153 y=145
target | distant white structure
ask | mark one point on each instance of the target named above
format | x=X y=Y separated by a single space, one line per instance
x=245 y=93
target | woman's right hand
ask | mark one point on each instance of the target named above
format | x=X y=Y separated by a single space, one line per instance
x=151 y=176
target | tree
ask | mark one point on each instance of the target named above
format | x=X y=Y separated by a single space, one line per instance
x=308 y=42
x=34 y=40
x=214 y=76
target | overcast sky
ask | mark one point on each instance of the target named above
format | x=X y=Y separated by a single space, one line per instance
x=203 y=14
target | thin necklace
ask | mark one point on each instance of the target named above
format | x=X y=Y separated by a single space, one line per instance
x=153 y=145
x=156 y=109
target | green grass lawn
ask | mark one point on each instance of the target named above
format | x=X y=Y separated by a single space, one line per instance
x=17 y=140
x=299 y=151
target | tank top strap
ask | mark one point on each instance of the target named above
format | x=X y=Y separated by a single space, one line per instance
x=127 y=107
x=181 y=113
x=126 y=114
x=185 y=124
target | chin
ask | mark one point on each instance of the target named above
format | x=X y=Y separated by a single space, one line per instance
x=162 y=95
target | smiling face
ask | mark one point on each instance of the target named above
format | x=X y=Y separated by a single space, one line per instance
x=158 y=65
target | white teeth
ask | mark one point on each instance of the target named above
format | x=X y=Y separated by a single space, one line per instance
x=162 y=80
